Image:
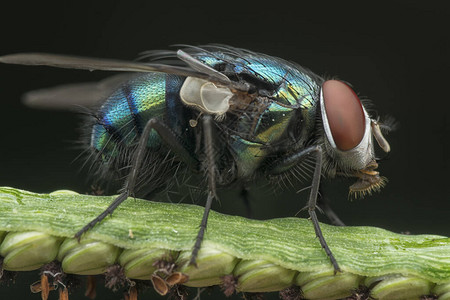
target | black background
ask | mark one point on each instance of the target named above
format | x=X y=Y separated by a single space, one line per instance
x=396 y=54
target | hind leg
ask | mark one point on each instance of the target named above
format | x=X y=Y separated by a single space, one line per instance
x=173 y=144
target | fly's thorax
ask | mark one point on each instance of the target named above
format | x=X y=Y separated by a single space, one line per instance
x=348 y=137
x=255 y=124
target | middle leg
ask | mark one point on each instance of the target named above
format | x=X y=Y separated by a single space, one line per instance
x=211 y=175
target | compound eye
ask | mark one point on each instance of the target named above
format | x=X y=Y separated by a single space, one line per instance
x=345 y=114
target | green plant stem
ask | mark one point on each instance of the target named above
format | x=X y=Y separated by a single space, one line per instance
x=288 y=243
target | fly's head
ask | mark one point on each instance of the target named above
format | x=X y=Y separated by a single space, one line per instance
x=348 y=137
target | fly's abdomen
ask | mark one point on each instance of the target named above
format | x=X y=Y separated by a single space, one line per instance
x=122 y=118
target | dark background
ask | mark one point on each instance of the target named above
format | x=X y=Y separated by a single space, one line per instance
x=396 y=54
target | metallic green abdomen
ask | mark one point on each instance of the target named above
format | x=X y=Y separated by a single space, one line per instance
x=123 y=116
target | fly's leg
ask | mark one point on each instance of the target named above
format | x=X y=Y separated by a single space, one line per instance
x=211 y=174
x=122 y=197
x=173 y=143
x=323 y=203
x=312 y=203
x=283 y=165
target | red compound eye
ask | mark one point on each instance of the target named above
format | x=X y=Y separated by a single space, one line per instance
x=344 y=113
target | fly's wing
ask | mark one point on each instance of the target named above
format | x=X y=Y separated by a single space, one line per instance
x=73 y=96
x=91 y=64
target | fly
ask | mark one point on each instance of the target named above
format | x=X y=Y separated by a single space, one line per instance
x=231 y=114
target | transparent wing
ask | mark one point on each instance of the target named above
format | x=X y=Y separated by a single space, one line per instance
x=73 y=96
x=91 y=64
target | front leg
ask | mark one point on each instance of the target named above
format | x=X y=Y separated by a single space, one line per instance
x=285 y=164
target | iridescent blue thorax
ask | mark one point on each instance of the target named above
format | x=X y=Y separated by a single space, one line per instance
x=278 y=121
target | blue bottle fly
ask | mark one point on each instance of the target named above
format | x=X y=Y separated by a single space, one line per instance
x=231 y=114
